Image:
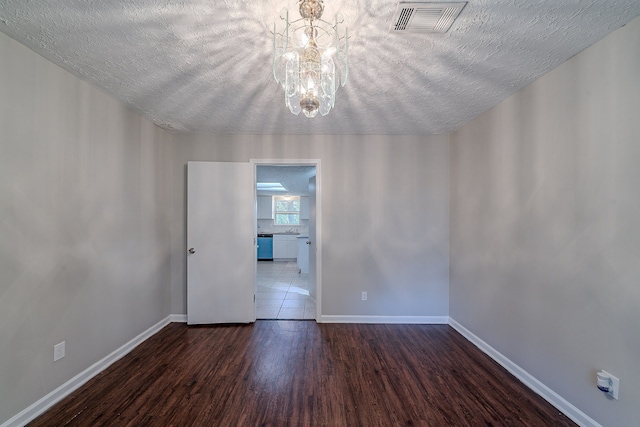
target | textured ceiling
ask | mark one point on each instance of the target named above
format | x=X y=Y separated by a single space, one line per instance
x=204 y=66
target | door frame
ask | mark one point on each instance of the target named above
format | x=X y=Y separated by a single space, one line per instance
x=299 y=162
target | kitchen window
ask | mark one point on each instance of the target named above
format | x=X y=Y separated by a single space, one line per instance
x=286 y=210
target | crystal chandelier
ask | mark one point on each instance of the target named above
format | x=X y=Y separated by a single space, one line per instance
x=310 y=59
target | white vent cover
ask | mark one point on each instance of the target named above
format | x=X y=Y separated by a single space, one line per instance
x=425 y=17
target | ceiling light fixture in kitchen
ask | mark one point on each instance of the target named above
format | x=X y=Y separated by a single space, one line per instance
x=270 y=186
x=310 y=59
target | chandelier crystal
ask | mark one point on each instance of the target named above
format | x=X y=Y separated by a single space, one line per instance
x=310 y=59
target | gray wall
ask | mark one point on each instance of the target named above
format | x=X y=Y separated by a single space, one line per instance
x=545 y=243
x=545 y=231
x=84 y=240
x=385 y=216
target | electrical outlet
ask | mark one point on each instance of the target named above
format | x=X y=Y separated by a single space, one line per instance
x=615 y=383
x=364 y=296
x=58 y=351
x=608 y=384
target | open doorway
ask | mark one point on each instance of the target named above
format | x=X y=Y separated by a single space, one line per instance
x=287 y=279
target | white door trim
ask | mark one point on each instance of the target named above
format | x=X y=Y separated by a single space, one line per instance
x=303 y=162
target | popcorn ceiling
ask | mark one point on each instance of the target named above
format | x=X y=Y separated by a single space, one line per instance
x=205 y=66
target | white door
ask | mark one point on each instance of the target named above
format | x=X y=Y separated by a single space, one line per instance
x=312 y=238
x=220 y=243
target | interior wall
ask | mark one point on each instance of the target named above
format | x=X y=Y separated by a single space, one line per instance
x=84 y=241
x=385 y=217
x=545 y=240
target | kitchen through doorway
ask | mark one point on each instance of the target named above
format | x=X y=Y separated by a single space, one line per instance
x=287 y=284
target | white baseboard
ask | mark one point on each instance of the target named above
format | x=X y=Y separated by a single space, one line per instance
x=529 y=380
x=39 y=407
x=178 y=318
x=415 y=320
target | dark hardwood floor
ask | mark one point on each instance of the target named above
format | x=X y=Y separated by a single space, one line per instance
x=299 y=373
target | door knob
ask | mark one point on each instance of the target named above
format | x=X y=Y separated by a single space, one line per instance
x=192 y=251
x=308 y=242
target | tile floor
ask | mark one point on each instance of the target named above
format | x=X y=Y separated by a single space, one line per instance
x=282 y=293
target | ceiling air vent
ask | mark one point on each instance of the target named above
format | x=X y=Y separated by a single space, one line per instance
x=425 y=17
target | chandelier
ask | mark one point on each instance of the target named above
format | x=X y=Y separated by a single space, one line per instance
x=310 y=59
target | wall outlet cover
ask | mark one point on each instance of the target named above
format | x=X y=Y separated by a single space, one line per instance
x=58 y=351
x=615 y=385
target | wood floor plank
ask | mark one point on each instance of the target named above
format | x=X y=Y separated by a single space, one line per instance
x=300 y=373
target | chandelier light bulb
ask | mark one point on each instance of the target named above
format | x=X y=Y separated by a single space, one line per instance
x=310 y=59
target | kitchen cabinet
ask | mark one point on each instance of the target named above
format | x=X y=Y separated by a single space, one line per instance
x=303 y=255
x=292 y=248
x=304 y=207
x=285 y=246
x=279 y=247
x=265 y=207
